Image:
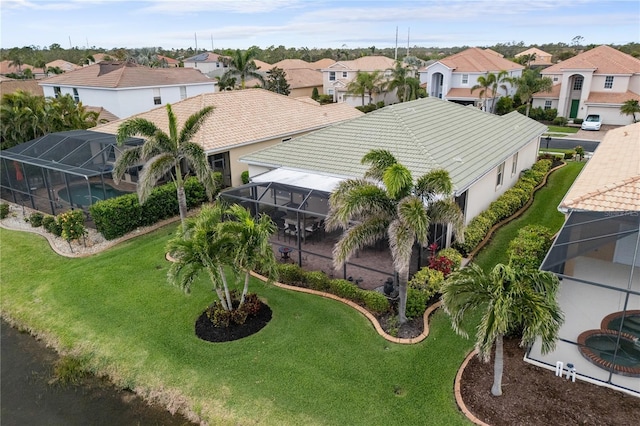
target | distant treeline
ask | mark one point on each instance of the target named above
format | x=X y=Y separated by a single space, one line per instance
x=33 y=55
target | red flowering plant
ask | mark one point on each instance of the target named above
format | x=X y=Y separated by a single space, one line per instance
x=439 y=263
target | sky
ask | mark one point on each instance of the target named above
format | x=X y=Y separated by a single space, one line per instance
x=239 y=24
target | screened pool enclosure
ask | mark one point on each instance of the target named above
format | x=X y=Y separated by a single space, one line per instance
x=62 y=171
x=597 y=258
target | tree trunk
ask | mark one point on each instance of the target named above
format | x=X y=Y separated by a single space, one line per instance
x=226 y=288
x=223 y=302
x=498 y=365
x=182 y=203
x=245 y=289
x=528 y=107
x=402 y=293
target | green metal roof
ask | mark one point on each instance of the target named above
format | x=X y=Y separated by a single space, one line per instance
x=423 y=135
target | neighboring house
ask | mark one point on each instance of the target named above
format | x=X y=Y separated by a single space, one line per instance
x=125 y=88
x=101 y=57
x=9 y=85
x=542 y=58
x=207 y=63
x=483 y=153
x=453 y=77
x=168 y=62
x=302 y=76
x=597 y=81
x=337 y=76
x=65 y=66
x=244 y=121
x=7 y=68
x=596 y=255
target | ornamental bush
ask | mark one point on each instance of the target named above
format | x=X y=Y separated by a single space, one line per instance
x=291 y=273
x=4 y=210
x=374 y=301
x=416 y=302
x=427 y=280
x=72 y=225
x=453 y=255
x=345 y=289
x=35 y=219
x=528 y=249
x=317 y=280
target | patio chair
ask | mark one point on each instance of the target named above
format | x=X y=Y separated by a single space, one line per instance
x=311 y=231
x=291 y=231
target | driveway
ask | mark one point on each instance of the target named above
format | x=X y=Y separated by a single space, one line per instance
x=592 y=135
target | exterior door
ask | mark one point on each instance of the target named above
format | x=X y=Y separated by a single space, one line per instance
x=574 y=108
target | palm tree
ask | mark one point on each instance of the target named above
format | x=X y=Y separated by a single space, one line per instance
x=630 y=107
x=400 y=74
x=511 y=299
x=531 y=82
x=242 y=64
x=400 y=210
x=485 y=84
x=369 y=83
x=225 y=82
x=218 y=237
x=500 y=82
x=16 y=62
x=165 y=153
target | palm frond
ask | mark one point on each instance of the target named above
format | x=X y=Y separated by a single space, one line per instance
x=435 y=182
x=128 y=158
x=173 y=126
x=398 y=181
x=154 y=169
x=359 y=236
x=401 y=240
x=355 y=202
x=193 y=124
x=446 y=211
x=380 y=160
x=135 y=127
x=413 y=214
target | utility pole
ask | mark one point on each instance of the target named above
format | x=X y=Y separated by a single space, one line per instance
x=408 y=34
x=396 y=55
x=195 y=36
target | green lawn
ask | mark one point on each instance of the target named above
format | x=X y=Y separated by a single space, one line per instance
x=563 y=129
x=543 y=211
x=317 y=361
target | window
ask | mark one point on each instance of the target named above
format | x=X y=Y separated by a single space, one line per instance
x=514 y=164
x=547 y=105
x=608 y=82
x=330 y=92
x=465 y=78
x=57 y=92
x=500 y=176
x=156 y=97
x=183 y=92
x=344 y=74
x=577 y=83
x=76 y=97
x=555 y=78
x=332 y=76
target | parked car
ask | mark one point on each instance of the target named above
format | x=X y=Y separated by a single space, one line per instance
x=592 y=122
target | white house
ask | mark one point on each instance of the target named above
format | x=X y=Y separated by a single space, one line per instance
x=483 y=153
x=337 y=76
x=208 y=63
x=597 y=81
x=125 y=89
x=453 y=77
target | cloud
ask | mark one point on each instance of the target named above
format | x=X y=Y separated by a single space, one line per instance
x=234 y=6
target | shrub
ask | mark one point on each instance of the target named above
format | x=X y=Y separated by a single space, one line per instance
x=578 y=121
x=427 y=280
x=220 y=317
x=579 y=151
x=4 y=210
x=51 y=225
x=504 y=105
x=72 y=224
x=291 y=273
x=416 y=302
x=375 y=302
x=550 y=114
x=325 y=99
x=345 y=289
x=317 y=280
x=245 y=175
x=367 y=108
x=560 y=121
x=454 y=256
x=528 y=249
x=35 y=219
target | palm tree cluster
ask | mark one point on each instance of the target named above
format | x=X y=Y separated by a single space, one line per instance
x=367 y=83
x=489 y=84
x=631 y=107
x=405 y=82
x=165 y=154
x=388 y=205
x=25 y=116
x=242 y=64
x=222 y=237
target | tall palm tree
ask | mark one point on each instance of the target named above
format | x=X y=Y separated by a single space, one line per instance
x=500 y=82
x=485 y=84
x=511 y=298
x=399 y=210
x=529 y=83
x=164 y=153
x=367 y=83
x=631 y=107
x=218 y=237
x=242 y=64
x=400 y=74
x=225 y=82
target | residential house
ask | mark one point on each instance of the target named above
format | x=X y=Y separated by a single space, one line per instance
x=65 y=66
x=244 y=121
x=596 y=256
x=453 y=77
x=167 y=62
x=303 y=76
x=540 y=57
x=209 y=63
x=597 y=81
x=6 y=67
x=337 y=76
x=125 y=88
x=483 y=153
x=10 y=85
x=101 y=57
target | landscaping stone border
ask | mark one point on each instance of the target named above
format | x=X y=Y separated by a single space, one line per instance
x=458 y=391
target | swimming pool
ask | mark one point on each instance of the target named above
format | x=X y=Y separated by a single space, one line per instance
x=84 y=195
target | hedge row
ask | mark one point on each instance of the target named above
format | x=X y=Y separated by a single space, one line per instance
x=292 y=274
x=118 y=216
x=506 y=205
x=528 y=249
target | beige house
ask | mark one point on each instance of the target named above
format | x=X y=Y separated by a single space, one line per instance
x=303 y=76
x=597 y=81
x=245 y=121
x=65 y=66
x=542 y=58
x=596 y=255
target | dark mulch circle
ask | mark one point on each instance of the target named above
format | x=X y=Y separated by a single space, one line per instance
x=205 y=329
x=535 y=396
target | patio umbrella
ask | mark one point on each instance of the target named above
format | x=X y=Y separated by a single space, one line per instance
x=19 y=175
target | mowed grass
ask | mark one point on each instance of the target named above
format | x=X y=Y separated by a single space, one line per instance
x=543 y=211
x=563 y=129
x=317 y=362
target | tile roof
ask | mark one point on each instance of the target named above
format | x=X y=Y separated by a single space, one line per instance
x=247 y=116
x=611 y=98
x=103 y=114
x=322 y=63
x=5 y=68
x=262 y=66
x=554 y=94
x=603 y=59
x=541 y=55
x=366 y=63
x=466 y=93
x=478 y=60
x=99 y=57
x=8 y=85
x=168 y=60
x=301 y=77
x=292 y=63
x=610 y=181
x=425 y=134
x=63 y=65
x=205 y=57
x=125 y=74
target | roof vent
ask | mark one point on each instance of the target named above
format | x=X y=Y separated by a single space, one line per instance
x=458 y=160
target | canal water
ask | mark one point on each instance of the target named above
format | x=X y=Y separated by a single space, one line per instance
x=28 y=398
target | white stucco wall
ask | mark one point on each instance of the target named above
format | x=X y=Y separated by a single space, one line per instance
x=206 y=67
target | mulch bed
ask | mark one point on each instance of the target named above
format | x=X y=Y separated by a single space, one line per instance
x=205 y=329
x=535 y=396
